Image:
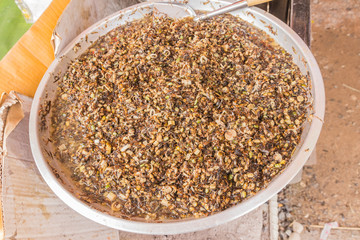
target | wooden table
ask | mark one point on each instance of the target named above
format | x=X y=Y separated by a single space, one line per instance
x=25 y=64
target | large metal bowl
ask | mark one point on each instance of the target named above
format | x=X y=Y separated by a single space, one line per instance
x=65 y=190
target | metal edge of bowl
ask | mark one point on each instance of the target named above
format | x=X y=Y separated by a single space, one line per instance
x=186 y=225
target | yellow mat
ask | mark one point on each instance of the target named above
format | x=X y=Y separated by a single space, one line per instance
x=24 y=65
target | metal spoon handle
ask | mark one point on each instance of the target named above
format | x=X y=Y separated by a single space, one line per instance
x=229 y=8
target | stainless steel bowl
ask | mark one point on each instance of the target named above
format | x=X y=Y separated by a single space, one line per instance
x=41 y=148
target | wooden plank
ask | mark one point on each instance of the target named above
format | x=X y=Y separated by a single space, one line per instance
x=300 y=19
x=295 y=13
x=279 y=8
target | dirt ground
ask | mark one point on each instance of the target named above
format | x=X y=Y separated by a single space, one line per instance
x=329 y=190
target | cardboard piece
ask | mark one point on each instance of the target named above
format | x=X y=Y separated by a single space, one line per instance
x=10 y=115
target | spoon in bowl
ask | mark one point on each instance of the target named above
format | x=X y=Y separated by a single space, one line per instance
x=229 y=8
x=178 y=10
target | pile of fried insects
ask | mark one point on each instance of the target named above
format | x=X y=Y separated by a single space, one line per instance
x=171 y=119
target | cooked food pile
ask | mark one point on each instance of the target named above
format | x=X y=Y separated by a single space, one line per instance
x=171 y=119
